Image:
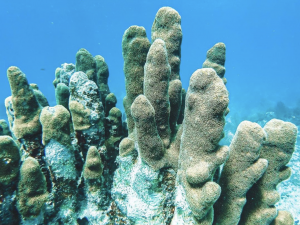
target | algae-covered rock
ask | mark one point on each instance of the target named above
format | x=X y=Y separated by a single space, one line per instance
x=87 y=112
x=84 y=96
x=85 y=103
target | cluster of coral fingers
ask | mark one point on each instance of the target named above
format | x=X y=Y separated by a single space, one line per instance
x=79 y=162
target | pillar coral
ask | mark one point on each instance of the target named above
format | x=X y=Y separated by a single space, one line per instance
x=165 y=170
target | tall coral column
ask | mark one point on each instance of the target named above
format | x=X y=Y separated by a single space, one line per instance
x=200 y=152
x=26 y=125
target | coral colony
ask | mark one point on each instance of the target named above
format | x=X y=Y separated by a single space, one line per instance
x=79 y=163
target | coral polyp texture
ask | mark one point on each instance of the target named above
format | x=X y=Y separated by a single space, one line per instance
x=79 y=163
x=200 y=152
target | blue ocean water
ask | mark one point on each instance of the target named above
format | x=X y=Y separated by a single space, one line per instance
x=262 y=40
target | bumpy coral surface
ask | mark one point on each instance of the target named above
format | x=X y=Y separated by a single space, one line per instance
x=79 y=163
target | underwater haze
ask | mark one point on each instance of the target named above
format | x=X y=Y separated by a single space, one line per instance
x=262 y=53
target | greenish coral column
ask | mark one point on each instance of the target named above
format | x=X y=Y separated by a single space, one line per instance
x=278 y=149
x=26 y=125
x=241 y=171
x=135 y=45
x=86 y=63
x=62 y=95
x=114 y=132
x=215 y=59
x=42 y=100
x=110 y=102
x=156 y=84
x=93 y=165
x=9 y=173
x=61 y=83
x=9 y=160
x=167 y=26
x=200 y=153
x=55 y=121
x=126 y=147
x=32 y=191
x=151 y=147
x=151 y=111
x=92 y=170
x=25 y=105
x=102 y=74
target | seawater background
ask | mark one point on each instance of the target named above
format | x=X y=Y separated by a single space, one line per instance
x=262 y=39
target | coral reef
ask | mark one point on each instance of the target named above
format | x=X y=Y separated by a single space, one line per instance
x=75 y=163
